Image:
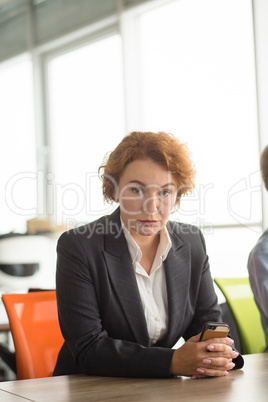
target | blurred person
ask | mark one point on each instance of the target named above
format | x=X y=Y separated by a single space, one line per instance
x=258 y=261
x=131 y=284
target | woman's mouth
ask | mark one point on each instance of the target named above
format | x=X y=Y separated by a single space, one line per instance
x=148 y=222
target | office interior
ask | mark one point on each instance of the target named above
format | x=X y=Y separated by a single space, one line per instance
x=76 y=76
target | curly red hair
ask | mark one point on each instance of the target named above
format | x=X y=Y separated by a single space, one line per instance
x=162 y=148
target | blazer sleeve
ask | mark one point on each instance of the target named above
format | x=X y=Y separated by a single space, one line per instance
x=93 y=351
x=202 y=297
x=206 y=304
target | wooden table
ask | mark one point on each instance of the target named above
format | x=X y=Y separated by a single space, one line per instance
x=249 y=384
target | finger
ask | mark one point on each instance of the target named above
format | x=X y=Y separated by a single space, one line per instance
x=195 y=338
x=196 y=376
x=224 y=341
x=205 y=372
x=222 y=350
x=219 y=364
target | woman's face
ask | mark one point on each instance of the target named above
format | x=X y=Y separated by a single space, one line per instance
x=147 y=194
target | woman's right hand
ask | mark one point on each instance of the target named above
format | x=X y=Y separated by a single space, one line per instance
x=211 y=358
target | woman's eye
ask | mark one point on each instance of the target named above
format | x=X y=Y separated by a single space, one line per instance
x=136 y=190
x=165 y=193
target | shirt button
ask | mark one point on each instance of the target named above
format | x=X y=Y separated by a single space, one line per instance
x=149 y=291
x=157 y=319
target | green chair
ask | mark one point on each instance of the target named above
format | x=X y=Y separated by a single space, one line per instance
x=239 y=296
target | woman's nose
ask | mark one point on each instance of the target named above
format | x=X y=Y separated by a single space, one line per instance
x=151 y=205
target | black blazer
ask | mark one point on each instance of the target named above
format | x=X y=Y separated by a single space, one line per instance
x=99 y=306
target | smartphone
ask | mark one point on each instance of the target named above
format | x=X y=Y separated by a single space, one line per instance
x=214 y=330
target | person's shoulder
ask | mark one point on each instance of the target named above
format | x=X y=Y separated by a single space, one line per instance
x=258 y=259
x=264 y=238
x=187 y=235
x=261 y=247
x=85 y=232
x=183 y=229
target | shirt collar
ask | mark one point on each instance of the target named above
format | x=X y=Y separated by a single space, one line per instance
x=135 y=251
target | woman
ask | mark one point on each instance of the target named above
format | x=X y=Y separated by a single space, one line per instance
x=129 y=285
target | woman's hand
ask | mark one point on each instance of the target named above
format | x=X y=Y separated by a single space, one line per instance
x=211 y=358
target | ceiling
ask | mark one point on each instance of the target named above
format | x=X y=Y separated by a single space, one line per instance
x=5 y=2
x=10 y=4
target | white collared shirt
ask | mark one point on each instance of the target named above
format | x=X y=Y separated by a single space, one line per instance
x=152 y=287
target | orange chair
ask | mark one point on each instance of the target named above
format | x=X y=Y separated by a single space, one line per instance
x=34 y=324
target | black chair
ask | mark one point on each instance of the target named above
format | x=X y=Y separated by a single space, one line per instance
x=228 y=317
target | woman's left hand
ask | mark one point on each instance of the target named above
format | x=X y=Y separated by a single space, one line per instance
x=219 y=357
x=211 y=358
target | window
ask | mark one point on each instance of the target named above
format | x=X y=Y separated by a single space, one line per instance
x=197 y=80
x=17 y=143
x=86 y=121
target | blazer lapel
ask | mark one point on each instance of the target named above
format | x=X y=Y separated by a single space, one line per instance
x=123 y=278
x=124 y=282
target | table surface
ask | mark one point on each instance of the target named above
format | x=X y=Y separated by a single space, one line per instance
x=249 y=384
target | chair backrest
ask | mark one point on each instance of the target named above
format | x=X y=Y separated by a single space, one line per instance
x=239 y=296
x=33 y=319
